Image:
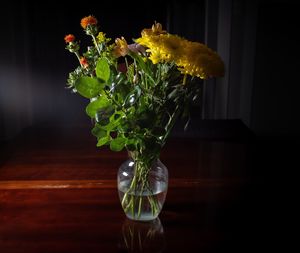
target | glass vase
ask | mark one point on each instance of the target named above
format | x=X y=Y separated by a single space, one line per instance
x=142 y=188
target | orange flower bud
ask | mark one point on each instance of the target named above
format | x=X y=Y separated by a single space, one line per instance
x=84 y=62
x=69 y=38
x=89 y=20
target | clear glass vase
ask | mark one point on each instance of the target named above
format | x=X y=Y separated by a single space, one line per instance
x=142 y=188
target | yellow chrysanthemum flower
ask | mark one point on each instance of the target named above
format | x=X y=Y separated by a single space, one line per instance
x=162 y=47
x=171 y=46
x=156 y=57
x=201 y=61
x=192 y=58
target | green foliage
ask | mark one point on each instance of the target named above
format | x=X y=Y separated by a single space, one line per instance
x=102 y=69
x=118 y=144
x=136 y=109
x=93 y=107
x=89 y=87
x=136 y=94
x=98 y=131
x=103 y=140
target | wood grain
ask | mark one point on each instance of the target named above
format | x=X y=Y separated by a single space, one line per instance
x=75 y=184
x=58 y=194
x=71 y=154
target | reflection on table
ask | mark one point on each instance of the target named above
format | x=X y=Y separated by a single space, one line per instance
x=142 y=236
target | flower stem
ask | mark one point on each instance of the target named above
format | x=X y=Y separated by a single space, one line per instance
x=78 y=57
x=133 y=199
x=96 y=45
x=171 y=123
x=184 y=79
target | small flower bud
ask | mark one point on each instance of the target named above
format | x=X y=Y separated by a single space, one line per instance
x=69 y=38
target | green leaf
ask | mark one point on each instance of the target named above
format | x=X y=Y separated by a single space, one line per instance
x=113 y=122
x=89 y=87
x=133 y=96
x=140 y=61
x=93 y=107
x=102 y=69
x=131 y=144
x=117 y=144
x=117 y=116
x=98 y=132
x=103 y=116
x=102 y=141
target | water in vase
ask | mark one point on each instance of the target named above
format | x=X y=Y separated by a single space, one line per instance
x=144 y=205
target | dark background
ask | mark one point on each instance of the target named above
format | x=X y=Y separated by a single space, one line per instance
x=34 y=64
x=258 y=41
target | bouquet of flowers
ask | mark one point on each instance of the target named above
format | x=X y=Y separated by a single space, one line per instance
x=138 y=91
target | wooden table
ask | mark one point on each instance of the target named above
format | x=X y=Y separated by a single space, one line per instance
x=58 y=194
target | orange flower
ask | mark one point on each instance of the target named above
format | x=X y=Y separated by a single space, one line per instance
x=121 y=48
x=84 y=62
x=156 y=29
x=89 y=20
x=69 y=38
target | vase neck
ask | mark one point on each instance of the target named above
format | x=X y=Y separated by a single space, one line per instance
x=147 y=157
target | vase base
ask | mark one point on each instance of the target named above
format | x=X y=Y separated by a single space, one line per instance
x=142 y=217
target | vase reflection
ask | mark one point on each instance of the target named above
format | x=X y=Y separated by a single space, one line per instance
x=142 y=236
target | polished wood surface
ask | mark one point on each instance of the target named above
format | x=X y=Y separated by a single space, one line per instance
x=71 y=154
x=58 y=194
